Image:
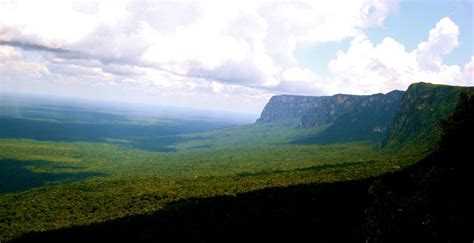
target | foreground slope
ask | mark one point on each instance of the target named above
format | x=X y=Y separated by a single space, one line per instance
x=430 y=201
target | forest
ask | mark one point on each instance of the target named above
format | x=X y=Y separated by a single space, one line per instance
x=154 y=178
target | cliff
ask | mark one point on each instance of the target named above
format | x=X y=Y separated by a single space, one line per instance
x=283 y=107
x=317 y=111
x=350 y=117
x=396 y=118
x=423 y=106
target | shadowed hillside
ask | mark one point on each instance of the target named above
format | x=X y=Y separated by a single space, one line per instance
x=327 y=212
x=430 y=201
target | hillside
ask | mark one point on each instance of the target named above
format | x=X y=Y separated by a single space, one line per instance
x=422 y=108
x=430 y=201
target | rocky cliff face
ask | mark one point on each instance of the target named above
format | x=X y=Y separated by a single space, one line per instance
x=378 y=107
x=318 y=111
x=368 y=118
x=396 y=118
x=283 y=107
x=351 y=117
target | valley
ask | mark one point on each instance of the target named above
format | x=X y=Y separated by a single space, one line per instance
x=62 y=169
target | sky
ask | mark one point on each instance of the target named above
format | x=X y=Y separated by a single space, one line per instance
x=231 y=55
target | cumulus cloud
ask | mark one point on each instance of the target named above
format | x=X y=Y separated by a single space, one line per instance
x=188 y=37
x=369 y=68
x=469 y=72
x=441 y=41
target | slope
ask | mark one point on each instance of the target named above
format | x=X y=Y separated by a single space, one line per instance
x=423 y=106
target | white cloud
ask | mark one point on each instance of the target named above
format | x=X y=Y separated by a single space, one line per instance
x=13 y=66
x=442 y=40
x=185 y=36
x=368 y=68
x=229 y=51
x=469 y=72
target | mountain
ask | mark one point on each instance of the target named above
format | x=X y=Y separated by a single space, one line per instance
x=423 y=106
x=395 y=118
x=317 y=111
x=431 y=200
x=366 y=118
x=283 y=107
x=350 y=117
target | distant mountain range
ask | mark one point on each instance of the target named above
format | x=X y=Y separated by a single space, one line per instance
x=392 y=119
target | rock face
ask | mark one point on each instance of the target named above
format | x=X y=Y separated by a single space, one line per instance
x=354 y=109
x=283 y=107
x=323 y=110
x=394 y=118
x=367 y=118
x=349 y=116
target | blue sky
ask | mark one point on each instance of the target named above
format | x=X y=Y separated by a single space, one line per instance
x=410 y=25
x=231 y=55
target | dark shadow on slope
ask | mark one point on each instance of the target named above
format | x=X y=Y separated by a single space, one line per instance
x=331 y=136
x=350 y=127
x=338 y=165
x=324 y=213
x=15 y=177
x=310 y=168
x=431 y=201
x=157 y=144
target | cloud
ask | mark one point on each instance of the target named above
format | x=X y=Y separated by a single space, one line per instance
x=469 y=72
x=301 y=81
x=14 y=67
x=244 y=72
x=36 y=47
x=441 y=41
x=368 y=68
x=187 y=37
x=221 y=49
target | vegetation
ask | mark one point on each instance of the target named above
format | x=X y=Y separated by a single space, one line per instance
x=429 y=201
x=421 y=111
x=131 y=181
x=84 y=181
